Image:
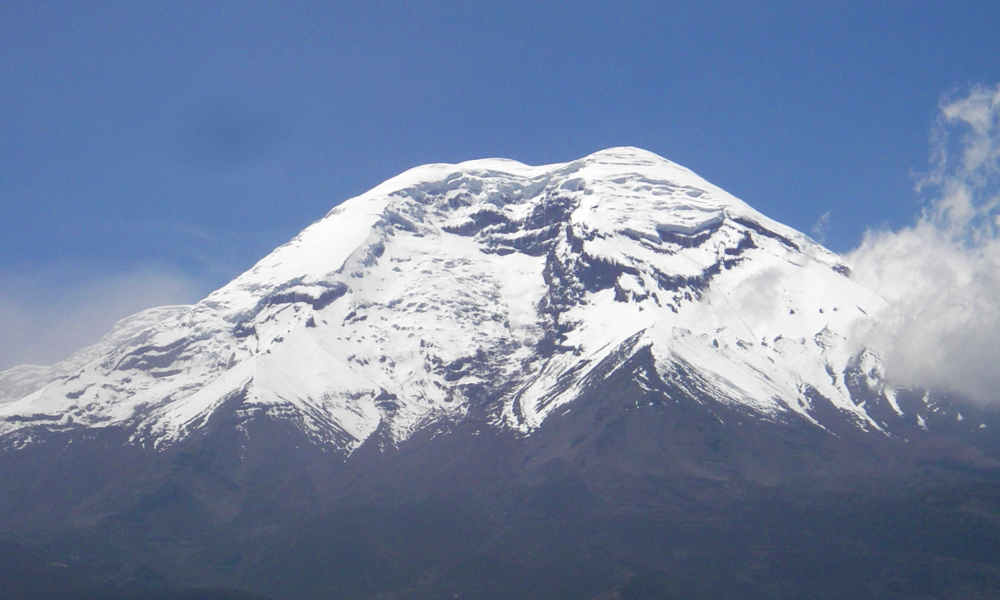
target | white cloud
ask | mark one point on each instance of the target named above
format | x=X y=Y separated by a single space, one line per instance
x=942 y=275
x=48 y=315
x=820 y=227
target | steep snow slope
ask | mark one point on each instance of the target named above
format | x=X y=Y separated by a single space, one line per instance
x=488 y=287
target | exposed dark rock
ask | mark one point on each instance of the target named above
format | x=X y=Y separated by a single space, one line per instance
x=645 y=487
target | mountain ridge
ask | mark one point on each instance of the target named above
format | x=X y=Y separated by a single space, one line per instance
x=478 y=273
x=598 y=379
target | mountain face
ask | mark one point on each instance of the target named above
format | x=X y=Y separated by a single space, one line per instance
x=602 y=376
x=493 y=289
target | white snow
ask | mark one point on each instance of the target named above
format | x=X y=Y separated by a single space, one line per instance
x=405 y=304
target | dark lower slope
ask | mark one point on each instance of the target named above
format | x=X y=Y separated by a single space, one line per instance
x=24 y=575
x=629 y=494
x=105 y=593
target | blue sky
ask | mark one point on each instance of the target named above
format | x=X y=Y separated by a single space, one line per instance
x=152 y=151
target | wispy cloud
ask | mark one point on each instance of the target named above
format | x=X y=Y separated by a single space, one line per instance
x=48 y=315
x=820 y=227
x=942 y=275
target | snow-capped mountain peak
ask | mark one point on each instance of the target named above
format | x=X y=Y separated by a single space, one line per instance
x=488 y=289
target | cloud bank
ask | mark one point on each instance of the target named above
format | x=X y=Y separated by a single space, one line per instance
x=47 y=316
x=941 y=277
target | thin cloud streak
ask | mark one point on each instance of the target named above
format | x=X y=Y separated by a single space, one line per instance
x=941 y=277
x=819 y=228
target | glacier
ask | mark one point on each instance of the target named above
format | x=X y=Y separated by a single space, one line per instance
x=487 y=289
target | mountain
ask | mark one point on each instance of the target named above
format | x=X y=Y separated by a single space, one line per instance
x=495 y=288
x=602 y=379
